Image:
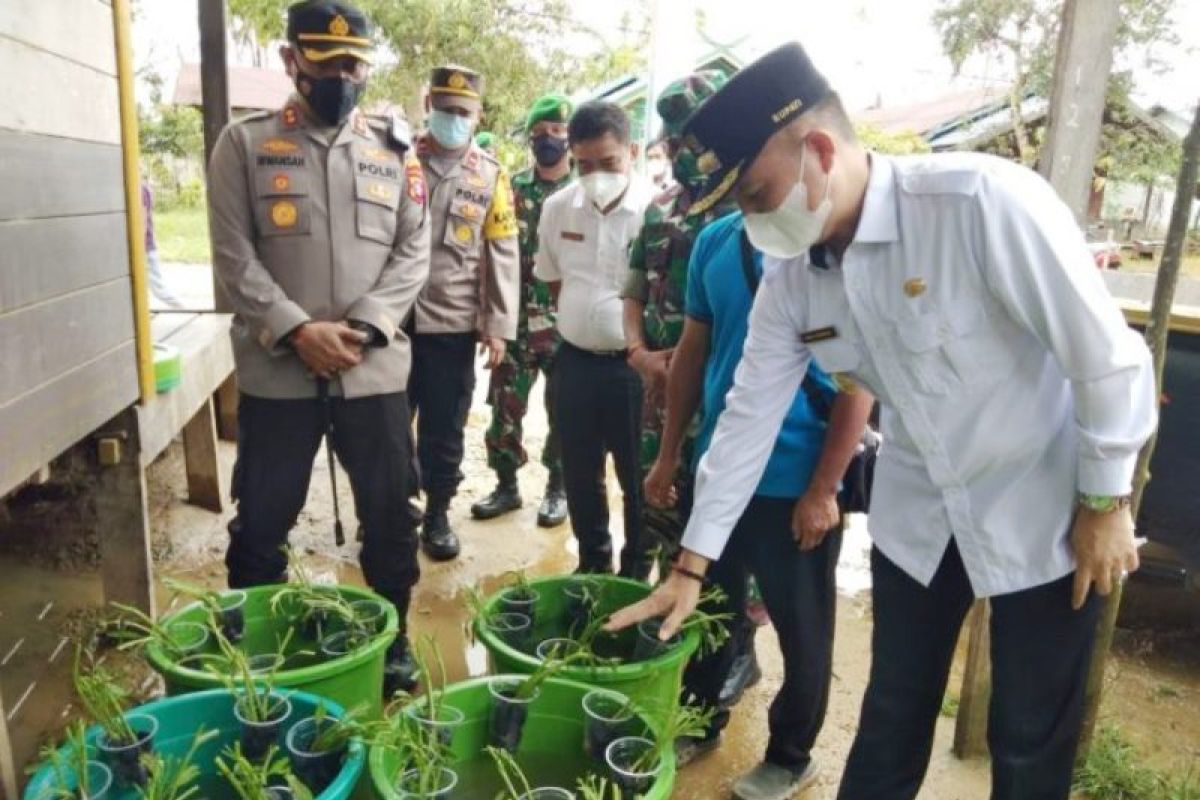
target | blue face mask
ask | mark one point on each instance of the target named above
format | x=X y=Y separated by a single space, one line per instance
x=451 y=131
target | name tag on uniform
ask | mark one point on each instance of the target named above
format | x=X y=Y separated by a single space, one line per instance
x=572 y=236
x=819 y=335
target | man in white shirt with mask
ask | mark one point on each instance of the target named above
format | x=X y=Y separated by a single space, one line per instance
x=585 y=233
x=959 y=290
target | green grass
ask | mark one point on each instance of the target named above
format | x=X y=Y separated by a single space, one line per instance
x=1114 y=772
x=182 y=235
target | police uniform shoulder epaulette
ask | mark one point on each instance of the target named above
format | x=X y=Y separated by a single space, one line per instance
x=486 y=156
x=255 y=116
x=393 y=130
x=946 y=174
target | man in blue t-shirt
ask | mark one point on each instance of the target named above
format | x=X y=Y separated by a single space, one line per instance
x=790 y=534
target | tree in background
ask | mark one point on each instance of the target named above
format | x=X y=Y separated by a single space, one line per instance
x=171 y=140
x=523 y=48
x=1023 y=34
x=897 y=144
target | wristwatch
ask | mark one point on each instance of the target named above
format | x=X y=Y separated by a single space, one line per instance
x=1103 y=503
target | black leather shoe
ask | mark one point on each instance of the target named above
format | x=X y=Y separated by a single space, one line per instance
x=438 y=539
x=744 y=673
x=505 y=498
x=400 y=672
x=553 y=510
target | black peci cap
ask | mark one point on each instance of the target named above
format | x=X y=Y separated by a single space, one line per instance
x=729 y=129
x=323 y=30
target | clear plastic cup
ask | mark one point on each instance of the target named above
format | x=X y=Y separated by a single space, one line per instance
x=506 y=722
x=622 y=758
x=124 y=758
x=259 y=735
x=556 y=648
x=607 y=716
x=444 y=721
x=410 y=786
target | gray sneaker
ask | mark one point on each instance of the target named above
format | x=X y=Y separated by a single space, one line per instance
x=773 y=782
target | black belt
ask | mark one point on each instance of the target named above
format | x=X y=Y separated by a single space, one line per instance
x=621 y=354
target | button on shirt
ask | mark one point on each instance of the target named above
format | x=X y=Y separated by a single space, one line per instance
x=1009 y=381
x=589 y=252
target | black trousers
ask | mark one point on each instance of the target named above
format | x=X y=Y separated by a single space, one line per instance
x=440 y=387
x=277 y=441
x=1040 y=654
x=599 y=411
x=801 y=597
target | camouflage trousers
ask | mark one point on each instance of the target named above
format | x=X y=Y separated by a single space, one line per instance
x=508 y=395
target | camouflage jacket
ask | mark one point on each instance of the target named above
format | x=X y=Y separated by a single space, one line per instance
x=658 y=263
x=536 y=321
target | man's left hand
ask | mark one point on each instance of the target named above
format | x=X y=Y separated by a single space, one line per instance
x=494 y=348
x=816 y=514
x=1105 y=551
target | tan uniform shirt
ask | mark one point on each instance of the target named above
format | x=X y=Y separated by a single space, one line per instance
x=311 y=223
x=475 y=270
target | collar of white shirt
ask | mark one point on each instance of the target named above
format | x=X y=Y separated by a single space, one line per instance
x=879 y=222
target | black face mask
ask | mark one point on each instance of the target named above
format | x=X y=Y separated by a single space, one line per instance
x=332 y=99
x=549 y=150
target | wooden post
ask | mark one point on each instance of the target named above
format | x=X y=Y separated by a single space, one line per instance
x=1082 y=64
x=214 y=94
x=227 y=404
x=8 y=772
x=200 y=459
x=1156 y=337
x=970 y=727
x=121 y=517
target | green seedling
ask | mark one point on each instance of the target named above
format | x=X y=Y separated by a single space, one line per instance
x=593 y=787
x=516 y=783
x=252 y=781
x=680 y=721
x=174 y=777
x=335 y=734
x=257 y=704
x=69 y=764
x=102 y=697
x=134 y=629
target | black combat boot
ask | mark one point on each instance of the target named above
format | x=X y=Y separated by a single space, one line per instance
x=744 y=672
x=505 y=498
x=553 y=511
x=400 y=672
x=437 y=537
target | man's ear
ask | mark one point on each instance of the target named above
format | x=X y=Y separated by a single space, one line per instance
x=288 y=56
x=824 y=146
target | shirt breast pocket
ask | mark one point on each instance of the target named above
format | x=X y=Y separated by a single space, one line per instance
x=463 y=225
x=281 y=205
x=376 y=201
x=954 y=348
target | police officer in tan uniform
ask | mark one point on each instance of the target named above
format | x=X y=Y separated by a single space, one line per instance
x=320 y=240
x=472 y=294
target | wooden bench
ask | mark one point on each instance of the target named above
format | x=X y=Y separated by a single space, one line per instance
x=140 y=434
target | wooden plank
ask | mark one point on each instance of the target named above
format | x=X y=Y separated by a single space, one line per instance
x=227 y=408
x=126 y=569
x=970 y=729
x=214 y=93
x=39 y=425
x=8 y=772
x=49 y=95
x=200 y=459
x=79 y=30
x=164 y=324
x=207 y=358
x=40 y=342
x=45 y=176
x=45 y=258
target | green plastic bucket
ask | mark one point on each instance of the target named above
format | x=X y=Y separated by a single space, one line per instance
x=350 y=681
x=653 y=684
x=551 y=750
x=179 y=718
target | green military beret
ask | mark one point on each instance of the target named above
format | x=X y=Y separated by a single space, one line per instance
x=551 y=107
x=682 y=97
x=485 y=139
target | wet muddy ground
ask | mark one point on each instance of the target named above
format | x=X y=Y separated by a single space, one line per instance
x=46 y=596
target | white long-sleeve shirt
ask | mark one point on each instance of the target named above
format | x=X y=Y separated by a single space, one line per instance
x=1009 y=381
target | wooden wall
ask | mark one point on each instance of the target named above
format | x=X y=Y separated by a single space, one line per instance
x=67 y=361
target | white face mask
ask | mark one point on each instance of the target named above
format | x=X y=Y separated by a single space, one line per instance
x=791 y=229
x=602 y=188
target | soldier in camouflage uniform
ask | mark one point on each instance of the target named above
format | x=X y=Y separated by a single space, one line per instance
x=654 y=292
x=654 y=301
x=537 y=338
